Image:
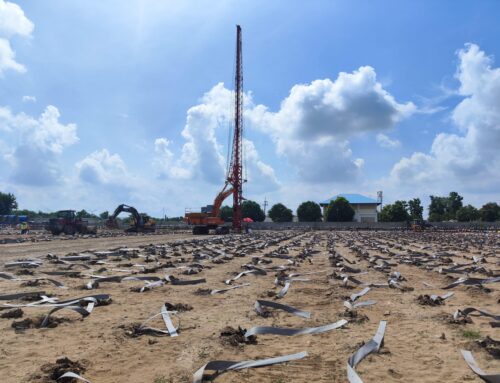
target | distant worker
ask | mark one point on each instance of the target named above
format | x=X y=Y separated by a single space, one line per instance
x=24 y=227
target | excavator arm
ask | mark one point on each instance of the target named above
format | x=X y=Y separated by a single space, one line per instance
x=205 y=220
x=125 y=209
x=220 y=199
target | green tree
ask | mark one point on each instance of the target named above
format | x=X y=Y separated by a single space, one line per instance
x=280 y=213
x=454 y=203
x=445 y=208
x=7 y=203
x=339 y=210
x=309 y=212
x=84 y=214
x=490 y=212
x=416 y=209
x=396 y=212
x=226 y=213
x=104 y=215
x=467 y=214
x=437 y=208
x=251 y=209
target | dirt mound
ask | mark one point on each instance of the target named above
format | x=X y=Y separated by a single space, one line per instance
x=202 y=292
x=16 y=313
x=492 y=346
x=355 y=317
x=28 y=323
x=53 y=371
x=34 y=283
x=230 y=336
x=426 y=300
x=132 y=330
x=25 y=272
x=178 y=307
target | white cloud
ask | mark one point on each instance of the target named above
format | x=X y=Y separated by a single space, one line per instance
x=470 y=160
x=164 y=162
x=29 y=99
x=103 y=168
x=260 y=176
x=7 y=58
x=315 y=121
x=202 y=158
x=36 y=145
x=12 y=22
x=386 y=143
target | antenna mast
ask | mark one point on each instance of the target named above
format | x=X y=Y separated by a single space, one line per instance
x=235 y=177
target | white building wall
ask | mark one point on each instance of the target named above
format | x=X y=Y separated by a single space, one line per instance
x=365 y=212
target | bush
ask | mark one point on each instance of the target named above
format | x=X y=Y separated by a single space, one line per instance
x=280 y=213
x=309 y=212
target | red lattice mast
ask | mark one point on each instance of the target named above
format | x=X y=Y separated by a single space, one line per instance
x=235 y=176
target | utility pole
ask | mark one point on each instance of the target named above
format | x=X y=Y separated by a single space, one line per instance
x=265 y=206
x=236 y=168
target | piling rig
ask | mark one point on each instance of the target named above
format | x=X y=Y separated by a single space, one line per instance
x=209 y=218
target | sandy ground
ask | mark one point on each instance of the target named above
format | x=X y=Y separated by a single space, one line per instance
x=61 y=245
x=420 y=343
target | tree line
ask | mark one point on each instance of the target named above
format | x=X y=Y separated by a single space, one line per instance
x=441 y=208
x=338 y=210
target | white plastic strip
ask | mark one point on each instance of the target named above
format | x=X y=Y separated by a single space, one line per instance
x=223 y=365
x=294 y=331
x=488 y=378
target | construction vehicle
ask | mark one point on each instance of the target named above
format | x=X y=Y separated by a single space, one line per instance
x=419 y=225
x=141 y=223
x=68 y=223
x=208 y=218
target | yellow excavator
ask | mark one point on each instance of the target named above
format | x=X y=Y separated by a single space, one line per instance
x=141 y=223
x=208 y=218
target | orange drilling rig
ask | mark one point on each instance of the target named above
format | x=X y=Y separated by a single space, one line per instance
x=209 y=218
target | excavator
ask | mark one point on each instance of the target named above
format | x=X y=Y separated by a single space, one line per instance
x=141 y=223
x=209 y=218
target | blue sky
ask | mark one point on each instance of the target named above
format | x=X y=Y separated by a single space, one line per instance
x=114 y=102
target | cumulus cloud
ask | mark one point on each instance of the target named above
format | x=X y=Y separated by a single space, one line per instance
x=315 y=122
x=202 y=157
x=260 y=176
x=8 y=58
x=12 y=22
x=103 y=168
x=385 y=142
x=36 y=145
x=471 y=159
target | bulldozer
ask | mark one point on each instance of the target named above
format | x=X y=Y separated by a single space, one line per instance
x=208 y=218
x=141 y=223
x=68 y=223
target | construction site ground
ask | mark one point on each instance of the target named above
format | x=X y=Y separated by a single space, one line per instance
x=421 y=344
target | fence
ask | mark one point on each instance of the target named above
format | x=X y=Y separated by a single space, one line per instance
x=458 y=226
